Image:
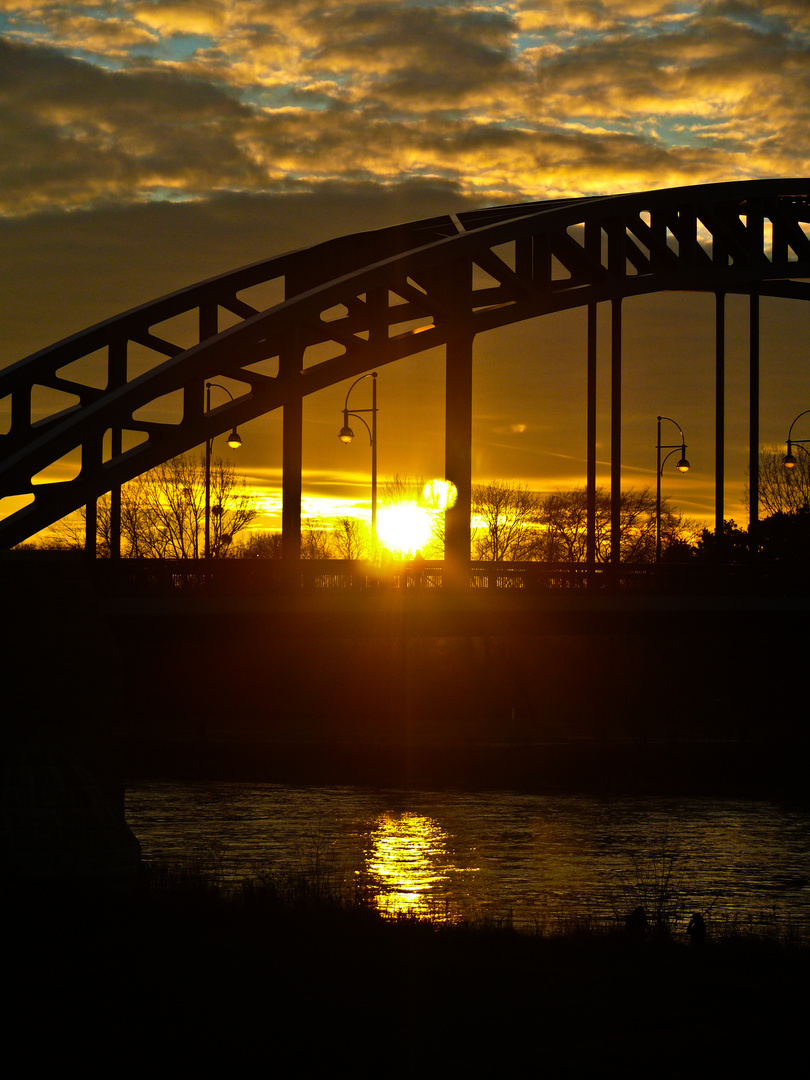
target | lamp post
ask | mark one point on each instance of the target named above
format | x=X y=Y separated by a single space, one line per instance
x=682 y=466
x=234 y=441
x=346 y=435
x=789 y=461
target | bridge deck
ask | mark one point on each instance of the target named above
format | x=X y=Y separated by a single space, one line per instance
x=336 y=673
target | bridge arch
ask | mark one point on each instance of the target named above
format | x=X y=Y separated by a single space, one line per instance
x=289 y=326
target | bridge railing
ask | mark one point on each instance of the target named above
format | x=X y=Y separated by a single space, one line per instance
x=265 y=577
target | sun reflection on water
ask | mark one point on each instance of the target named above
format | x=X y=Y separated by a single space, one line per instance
x=407 y=864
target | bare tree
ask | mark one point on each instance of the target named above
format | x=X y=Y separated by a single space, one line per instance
x=315 y=539
x=434 y=498
x=171 y=514
x=397 y=489
x=507 y=513
x=781 y=490
x=562 y=527
x=163 y=512
x=350 y=538
x=258 y=545
x=562 y=532
x=636 y=525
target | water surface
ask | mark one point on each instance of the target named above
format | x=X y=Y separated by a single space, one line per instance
x=539 y=860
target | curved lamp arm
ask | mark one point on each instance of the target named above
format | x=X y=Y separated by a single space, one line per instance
x=346 y=434
x=234 y=439
x=683 y=464
x=789 y=461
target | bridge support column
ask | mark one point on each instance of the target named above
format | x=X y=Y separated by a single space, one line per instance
x=616 y=436
x=115 y=504
x=116 y=449
x=590 y=477
x=719 y=422
x=116 y=376
x=753 y=435
x=458 y=458
x=90 y=529
x=291 y=488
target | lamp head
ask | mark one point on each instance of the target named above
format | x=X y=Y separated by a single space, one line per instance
x=234 y=440
x=789 y=461
x=683 y=465
x=346 y=434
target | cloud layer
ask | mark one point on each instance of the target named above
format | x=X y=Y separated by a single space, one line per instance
x=126 y=102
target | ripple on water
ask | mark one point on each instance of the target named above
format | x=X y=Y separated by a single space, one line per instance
x=545 y=860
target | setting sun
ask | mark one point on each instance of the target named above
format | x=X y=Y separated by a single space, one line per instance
x=405 y=528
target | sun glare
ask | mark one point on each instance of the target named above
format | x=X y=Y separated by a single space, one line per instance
x=440 y=494
x=404 y=528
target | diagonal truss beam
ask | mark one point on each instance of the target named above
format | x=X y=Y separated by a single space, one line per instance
x=331 y=312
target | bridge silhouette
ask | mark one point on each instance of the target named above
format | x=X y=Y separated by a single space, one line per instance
x=323 y=672
x=289 y=326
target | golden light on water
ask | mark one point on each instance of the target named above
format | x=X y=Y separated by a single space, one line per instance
x=407 y=864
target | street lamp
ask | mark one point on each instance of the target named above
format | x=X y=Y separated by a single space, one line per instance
x=346 y=435
x=682 y=466
x=234 y=441
x=789 y=461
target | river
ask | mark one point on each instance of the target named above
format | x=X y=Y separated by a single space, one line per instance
x=540 y=861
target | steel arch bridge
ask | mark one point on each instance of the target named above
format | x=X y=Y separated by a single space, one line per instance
x=341 y=308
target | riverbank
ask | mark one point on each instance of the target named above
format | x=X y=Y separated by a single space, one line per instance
x=287 y=975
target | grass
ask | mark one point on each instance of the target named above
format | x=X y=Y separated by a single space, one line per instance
x=297 y=972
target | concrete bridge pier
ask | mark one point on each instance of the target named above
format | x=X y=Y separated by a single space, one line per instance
x=61 y=781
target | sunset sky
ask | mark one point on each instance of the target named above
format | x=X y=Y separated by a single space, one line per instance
x=149 y=145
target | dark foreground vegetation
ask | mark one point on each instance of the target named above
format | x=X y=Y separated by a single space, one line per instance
x=290 y=975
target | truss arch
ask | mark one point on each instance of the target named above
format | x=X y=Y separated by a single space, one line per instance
x=289 y=326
